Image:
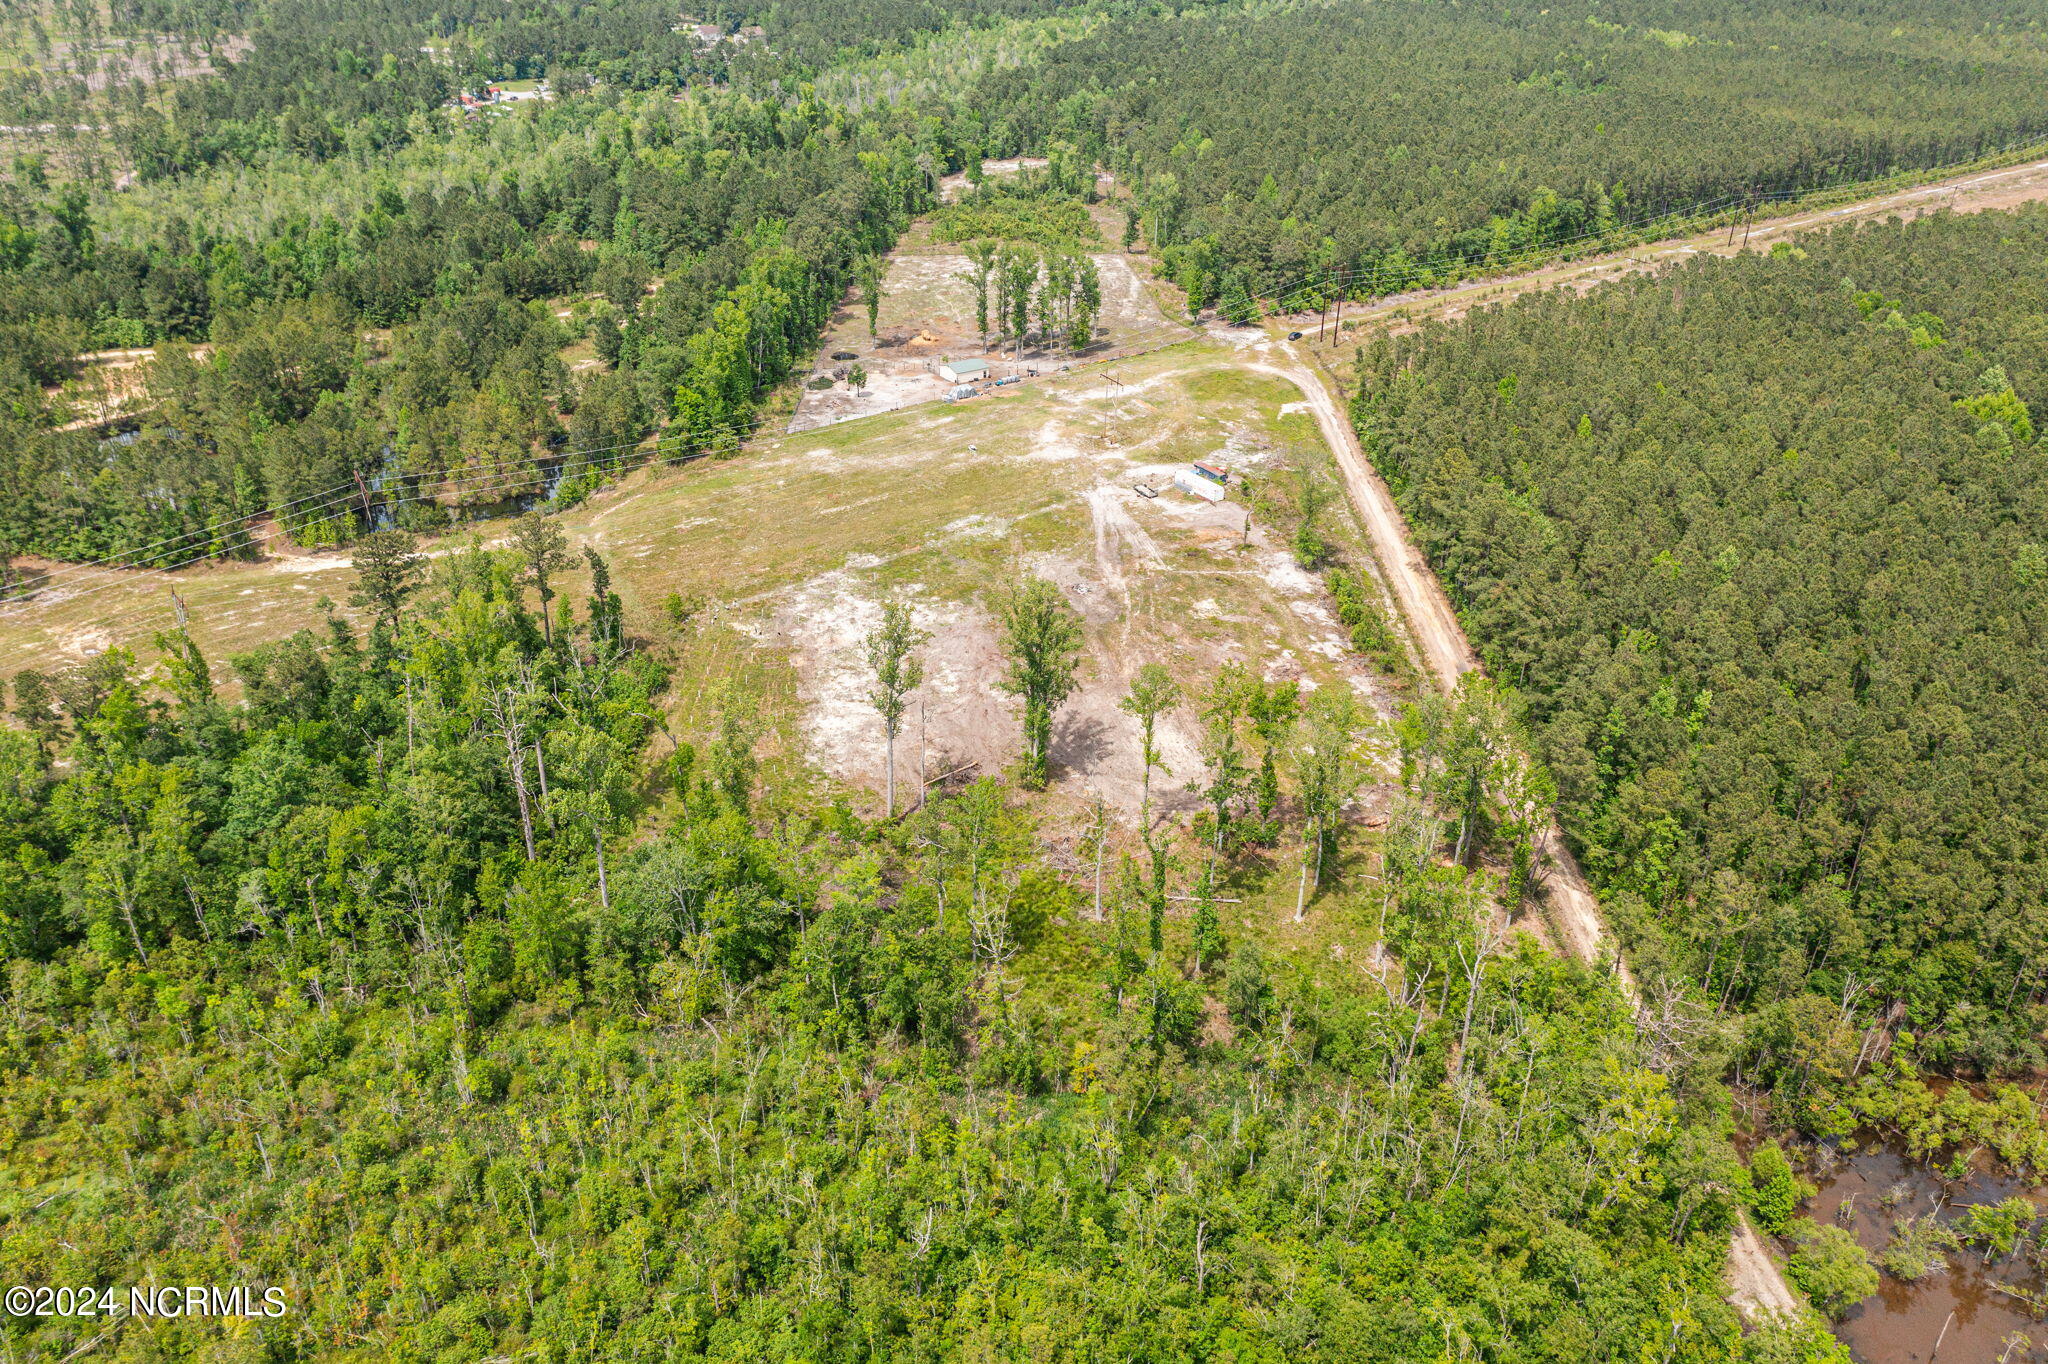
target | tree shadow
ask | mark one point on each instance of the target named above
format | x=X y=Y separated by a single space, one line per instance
x=20 y=582
x=1079 y=744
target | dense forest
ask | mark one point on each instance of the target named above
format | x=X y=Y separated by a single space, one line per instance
x=408 y=342
x=311 y=209
x=1764 y=543
x=423 y=987
x=324 y=79
x=368 y=298
x=1411 y=143
x=428 y=967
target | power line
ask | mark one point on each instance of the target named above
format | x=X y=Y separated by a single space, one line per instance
x=344 y=492
x=720 y=440
x=218 y=538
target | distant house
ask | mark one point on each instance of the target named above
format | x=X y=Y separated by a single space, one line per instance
x=963 y=371
x=1211 y=470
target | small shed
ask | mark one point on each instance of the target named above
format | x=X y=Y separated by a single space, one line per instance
x=963 y=371
x=1213 y=470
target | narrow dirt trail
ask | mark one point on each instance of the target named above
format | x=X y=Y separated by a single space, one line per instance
x=1755 y=1284
x=1438 y=636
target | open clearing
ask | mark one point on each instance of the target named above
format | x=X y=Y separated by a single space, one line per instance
x=953 y=186
x=927 y=315
x=801 y=538
x=799 y=542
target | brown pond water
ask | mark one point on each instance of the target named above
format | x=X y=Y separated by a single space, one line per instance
x=1901 y=1323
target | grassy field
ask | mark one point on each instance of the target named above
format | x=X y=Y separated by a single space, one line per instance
x=796 y=543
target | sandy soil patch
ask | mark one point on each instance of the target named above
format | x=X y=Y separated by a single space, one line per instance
x=1171 y=579
x=953 y=186
x=927 y=316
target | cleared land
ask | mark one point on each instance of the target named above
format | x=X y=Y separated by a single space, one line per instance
x=927 y=315
x=954 y=185
x=798 y=543
x=801 y=536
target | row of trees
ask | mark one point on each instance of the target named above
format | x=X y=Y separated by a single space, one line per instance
x=1762 y=542
x=1016 y=287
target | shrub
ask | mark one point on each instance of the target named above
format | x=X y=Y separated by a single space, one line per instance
x=1830 y=1268
x=1775 y=1190
x=1919 y=1246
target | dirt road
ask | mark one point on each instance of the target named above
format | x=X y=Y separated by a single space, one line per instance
x=1971 y=192
x=1431 y=622
x=1756 y=1286
x=1434 y=627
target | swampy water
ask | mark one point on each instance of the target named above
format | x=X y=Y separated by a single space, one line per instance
x=1903 y=1322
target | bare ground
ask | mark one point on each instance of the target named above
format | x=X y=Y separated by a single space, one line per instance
x=953 y=186
x=927 y=315
x=1170 y=579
